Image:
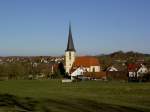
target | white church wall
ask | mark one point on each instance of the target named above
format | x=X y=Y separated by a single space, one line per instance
x=69 y=60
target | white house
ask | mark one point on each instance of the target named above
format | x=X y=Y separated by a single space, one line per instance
x=142 y=70
x=77 y=72
x=112 y=68
x=136 y=70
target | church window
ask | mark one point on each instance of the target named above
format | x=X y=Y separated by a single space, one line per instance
x=69 y=55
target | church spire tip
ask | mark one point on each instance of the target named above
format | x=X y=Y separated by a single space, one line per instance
x=70 y=46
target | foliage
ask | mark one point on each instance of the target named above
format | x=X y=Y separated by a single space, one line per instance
x=61 y=69
x=23 y=70
x=12 y=71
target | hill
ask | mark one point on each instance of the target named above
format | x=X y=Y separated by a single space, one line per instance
x=122 y=57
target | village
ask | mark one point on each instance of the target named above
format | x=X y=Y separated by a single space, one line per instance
x=74 y=56
x=130 y=66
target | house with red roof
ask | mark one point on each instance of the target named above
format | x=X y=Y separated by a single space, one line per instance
x=132 y=70
x=89 y=63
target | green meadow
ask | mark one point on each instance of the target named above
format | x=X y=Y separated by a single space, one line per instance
x=84 y=96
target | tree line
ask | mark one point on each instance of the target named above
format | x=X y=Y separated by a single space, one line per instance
x=9 y=71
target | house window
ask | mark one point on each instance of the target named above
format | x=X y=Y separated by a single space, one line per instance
x=69 y=55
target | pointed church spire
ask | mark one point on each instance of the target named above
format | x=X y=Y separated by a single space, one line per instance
x=70 y=45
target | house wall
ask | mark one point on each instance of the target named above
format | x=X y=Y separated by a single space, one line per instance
x=132 y=74
x=90 y=69
x=142 y=70
x=78 y=72
x=96 y=68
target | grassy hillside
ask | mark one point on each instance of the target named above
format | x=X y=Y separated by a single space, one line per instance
x=89 y=96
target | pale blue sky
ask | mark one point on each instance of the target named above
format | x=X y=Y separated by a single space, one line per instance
x=40 y=27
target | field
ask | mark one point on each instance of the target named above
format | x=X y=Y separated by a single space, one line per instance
x=86 y=96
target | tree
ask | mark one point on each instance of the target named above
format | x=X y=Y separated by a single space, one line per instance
x=61 y=69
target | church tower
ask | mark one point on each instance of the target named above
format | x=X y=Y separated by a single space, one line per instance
x=70 y=52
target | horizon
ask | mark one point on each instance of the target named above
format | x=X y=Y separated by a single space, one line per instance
x=41 y=27
x=76 y=54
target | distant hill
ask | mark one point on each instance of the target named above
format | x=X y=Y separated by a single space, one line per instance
x=126 y=55
x=108 y=59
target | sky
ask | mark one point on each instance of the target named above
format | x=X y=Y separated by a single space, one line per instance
x=40 y=27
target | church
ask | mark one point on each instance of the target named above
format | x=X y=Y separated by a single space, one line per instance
x=74 y=63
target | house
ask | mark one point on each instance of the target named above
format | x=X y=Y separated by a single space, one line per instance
x=117 y=72
x=88 y=63
x=132 y=70
x=112 y=68
x=142 y=70
x=147 y=64
x=79 y=72
x=85 y=64
x=135 y=70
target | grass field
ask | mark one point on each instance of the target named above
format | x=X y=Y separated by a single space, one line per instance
x=87 y=96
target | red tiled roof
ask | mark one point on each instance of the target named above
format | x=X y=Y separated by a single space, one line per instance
x=86 y=61
x=133 y=67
